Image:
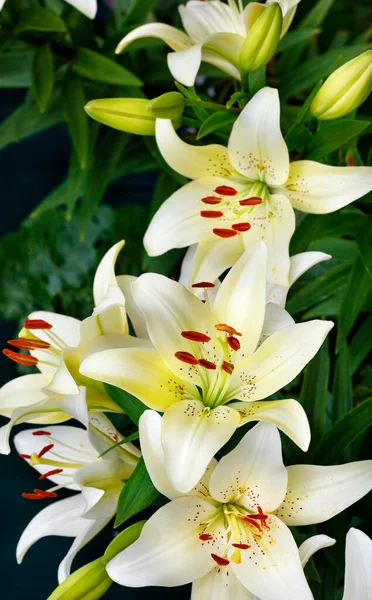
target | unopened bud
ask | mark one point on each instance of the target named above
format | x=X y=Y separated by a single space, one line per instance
x=345 y=89
x=131 y=115
x=90 y=582
x=262 y=39
x=168 y=106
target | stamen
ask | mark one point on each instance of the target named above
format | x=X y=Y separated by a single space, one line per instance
x=241 y=226
x=233 y=342
x=225 y=233
x=253 y=201
x=241 y=546
x=211 y=214
x=227 y=367
x=46 y=494
x=31 y=496
x=227 y=328
x=45 y=450
x=38 y=495
x=22 y=359
x=196 y=336
x=207 y=364
x=211 y=200
x=37 y=324
x=186 y=357
x=223 y=562
x=205 y=536
x=226 y=190
x=203 y=284
x=50 y=473
x=29 y=344
x=251 y=521
x=41 y=432
x=27 y=456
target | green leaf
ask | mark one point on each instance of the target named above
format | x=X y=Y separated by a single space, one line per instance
x=77 y=120
x=342 y=388
x=343 y=433
x=364 y=240
x=137 y=494
x=122 y=541
x=314 y=390
x=42 y=76
x=130 y=404
x=333 y=134
x=15 y=70
x=361 y=344
x=39 y=19
x=130 y=438
x=215 y=122
x=352 y=302
x=294 y=38
x=94 y=66
x=298 y=135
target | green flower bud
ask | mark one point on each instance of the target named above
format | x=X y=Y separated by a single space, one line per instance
x=88 y=583
x=122 y=541
x=345 y=89
x=132 y=115
x=168 y=106
x=262 y=39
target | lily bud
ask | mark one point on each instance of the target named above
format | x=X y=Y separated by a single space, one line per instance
x=90 y=582
x=168 y=106
x=345 y=89
x=262 y=39
x=131 y=115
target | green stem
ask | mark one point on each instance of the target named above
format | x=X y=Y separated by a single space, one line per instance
x=210 y=105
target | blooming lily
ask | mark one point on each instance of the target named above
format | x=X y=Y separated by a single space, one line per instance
x=358 y=570
x=68 y=456
x=245 y=192
x=58 y=344
x=87 y=7
x=204 y=357
x=215 y=33
x=230 y=533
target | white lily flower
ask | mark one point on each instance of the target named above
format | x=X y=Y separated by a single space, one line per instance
x=68 y=456
x=59 y=344
x=215 y=33
x=235 y=521
x=86 y=7
x=206 y=356
x=245 y=192
x=358 y=570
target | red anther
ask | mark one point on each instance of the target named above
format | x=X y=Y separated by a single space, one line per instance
x=22 y=359
x=37 y=324
x=227 y=328
x=226 y=190
x=50 y=473
x=31 y=496
x=251 y=521
x=211 y=214
x=28 y=456
x=223 y=562
x=29 y=344
x=241 y=546
x=186 y=357
x=45 y=450
x=241 y=227
x=41 y=432
x=233 y=342
x=207 y=364
x=227 y=367
x=205 y=536
x=225 y=233
x=203 y=284
x=211 y=200
x=45 y=494
x=350 y=160
x=253 y=201
x=195 y=336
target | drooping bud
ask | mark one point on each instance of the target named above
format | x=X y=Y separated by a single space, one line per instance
x=90 y=582
x=168 y=106
x=262 y=39
x=345 y=89
x=131 y=115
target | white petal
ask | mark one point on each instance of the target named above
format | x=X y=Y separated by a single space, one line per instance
x=175 y=38
x=63 y=382
x=287 y=415
x=317 y=188
x=219 y=584
x=87 y=7
x=312 y=545
x=202 y=19
x=137 y=319
x=300 y=263
x=358 y=571
x=253 y=474
x=101 y=483
x=218 y=61
x=22 y=391
x=65 y=330
x=316 y=494
x=278 y=361
x=251 y=13
x=184 y=64
x=102 y=435
x=191 y=436
x=276 y=318
x=105 y=274
x=226 y=46
x=139 y=371
x=240 y=301
x=271 y=568
x=169 y=552
x=256 y=146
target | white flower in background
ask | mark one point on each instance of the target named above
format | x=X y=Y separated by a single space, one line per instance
x=205 y=357
x=230 y=533
x=358 y=570
x=68 y=456
x=215 y=32
x=86 y=7
x=245 y=192
x=57 y=345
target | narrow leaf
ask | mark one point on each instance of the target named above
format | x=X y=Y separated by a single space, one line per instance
x=215 y=122
x=130 y=438
x=294 y=38
x=356 y=292
x=361 y=344
x=342 y=388
x=39 y=19
x=333 y=134
x=314 y=390
x=137 y=494
x=364 y=240
x=130 y=404
x=76 y=117
x=42 y=76
x=94 y=66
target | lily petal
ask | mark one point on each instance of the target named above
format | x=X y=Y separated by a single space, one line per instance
x=276 y=318
x=65 y=330
x=252 y=474
x=300 y=263
x=22 y=391
x=136 y=317
x=191 y=435
x=87 y=7
x=184 y=64
x=105 y=274
x=200 y=20
x=257 y=148
x=169 y=551
x=101 y=484
x=316 y=494
x=317 y=188
x=220 y=583
x=176 y=39
x=358 y=572
x=312 y=545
